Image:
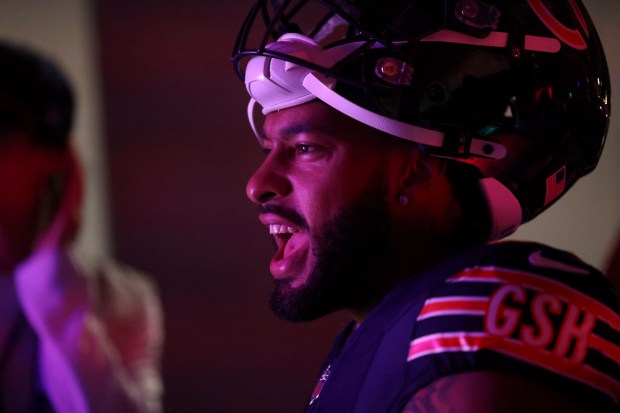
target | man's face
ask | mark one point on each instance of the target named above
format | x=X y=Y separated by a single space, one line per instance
x=322 y=190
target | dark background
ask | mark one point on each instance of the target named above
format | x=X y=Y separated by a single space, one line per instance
x=180 y=152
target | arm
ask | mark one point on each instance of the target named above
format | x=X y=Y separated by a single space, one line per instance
x=100 y=333
x=492 y=392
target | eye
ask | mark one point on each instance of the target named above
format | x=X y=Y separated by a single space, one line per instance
x=309 y=152
x=305 y=149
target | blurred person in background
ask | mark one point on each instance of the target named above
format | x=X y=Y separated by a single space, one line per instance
x=75 y=336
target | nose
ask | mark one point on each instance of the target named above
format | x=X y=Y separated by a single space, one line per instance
x=268 y=183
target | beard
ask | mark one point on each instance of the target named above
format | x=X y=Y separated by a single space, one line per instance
x=346 y=250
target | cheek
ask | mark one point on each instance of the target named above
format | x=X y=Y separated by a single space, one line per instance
x=20 y=188
x=315 y=199
x=16 y=204
x=19 y=212
x=350 y=182
x=322 y=198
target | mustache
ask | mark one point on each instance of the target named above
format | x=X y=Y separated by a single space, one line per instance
x=284 y=212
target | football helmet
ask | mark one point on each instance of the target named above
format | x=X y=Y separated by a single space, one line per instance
x=518 y=89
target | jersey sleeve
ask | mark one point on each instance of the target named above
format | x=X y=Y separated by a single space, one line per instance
x=535 y=312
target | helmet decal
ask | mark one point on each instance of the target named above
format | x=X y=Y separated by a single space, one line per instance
x=571 y=37
x=555 y=185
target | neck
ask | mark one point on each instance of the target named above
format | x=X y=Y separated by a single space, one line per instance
x=405 y=261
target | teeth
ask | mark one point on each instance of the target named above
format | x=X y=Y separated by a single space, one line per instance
x=281 y=229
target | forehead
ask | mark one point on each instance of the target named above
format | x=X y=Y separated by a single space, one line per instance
x=313 y=118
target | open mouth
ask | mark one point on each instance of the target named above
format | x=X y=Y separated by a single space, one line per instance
x=283 y=235
x=293 y=250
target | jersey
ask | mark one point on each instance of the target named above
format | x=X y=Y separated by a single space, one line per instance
x=518 y=307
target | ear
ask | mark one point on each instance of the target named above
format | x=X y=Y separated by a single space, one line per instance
x=426 y=197
x=422 y=170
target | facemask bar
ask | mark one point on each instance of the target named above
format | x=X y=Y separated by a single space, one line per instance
x=286 y=22
x=275 y=26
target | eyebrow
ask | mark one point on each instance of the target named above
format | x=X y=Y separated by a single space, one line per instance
x=290 y=131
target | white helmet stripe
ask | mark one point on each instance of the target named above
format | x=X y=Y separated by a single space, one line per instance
x=495 y=39
x=392 y=126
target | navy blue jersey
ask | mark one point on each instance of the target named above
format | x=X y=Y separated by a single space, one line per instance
x=519 y=307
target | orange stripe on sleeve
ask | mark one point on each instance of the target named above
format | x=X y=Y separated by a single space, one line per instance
x=454 y=306
x=469 y=342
